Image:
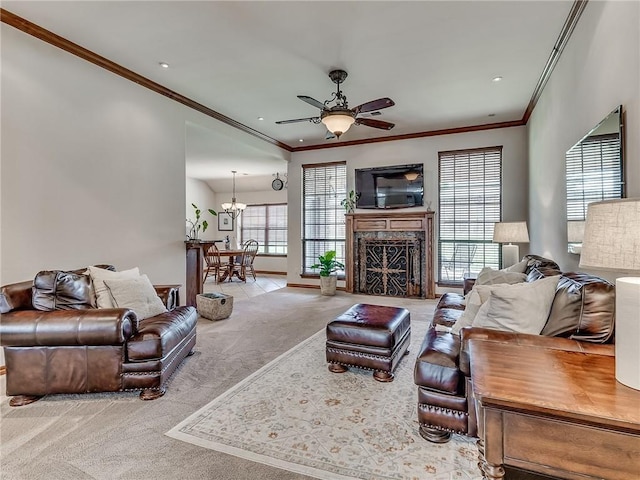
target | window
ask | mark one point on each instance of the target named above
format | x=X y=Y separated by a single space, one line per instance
x=470 y=190
x=323 y=188
x=268 y=225
x=594 y=173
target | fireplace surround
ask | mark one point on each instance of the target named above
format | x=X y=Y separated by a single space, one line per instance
x=390 y=254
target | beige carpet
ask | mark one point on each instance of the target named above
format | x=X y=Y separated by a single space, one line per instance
x=117 y=436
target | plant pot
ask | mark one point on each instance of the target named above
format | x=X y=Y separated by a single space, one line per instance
x=328 y=285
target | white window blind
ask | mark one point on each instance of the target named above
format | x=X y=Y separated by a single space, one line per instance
x=323 y=188
x=268 y=225
x=594 y=173
x=470 y=200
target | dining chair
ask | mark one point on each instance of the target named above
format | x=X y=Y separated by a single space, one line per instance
x=245 y=262
x=213 y=264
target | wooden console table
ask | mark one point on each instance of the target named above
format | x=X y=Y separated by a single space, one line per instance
x=554 y=412
x=195 y=258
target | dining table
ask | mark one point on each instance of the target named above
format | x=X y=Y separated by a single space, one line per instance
x=226 y=269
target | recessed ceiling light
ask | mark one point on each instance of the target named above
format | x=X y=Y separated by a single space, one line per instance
x=496 y=79
x=301 y=140
x=164 y=64
x=260 y=118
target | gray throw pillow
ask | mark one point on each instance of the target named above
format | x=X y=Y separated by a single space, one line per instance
x=136 y=294
x=520 y=308
x=489 y=276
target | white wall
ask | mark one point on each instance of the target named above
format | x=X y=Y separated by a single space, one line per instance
x=598 y=70
x=420 y=150
x=93 y=166
x=200 y=194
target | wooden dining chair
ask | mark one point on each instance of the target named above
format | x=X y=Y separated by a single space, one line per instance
x=213 y=264
x=245 y=262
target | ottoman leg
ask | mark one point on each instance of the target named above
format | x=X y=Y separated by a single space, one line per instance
x=337 y=368
x=383 y=376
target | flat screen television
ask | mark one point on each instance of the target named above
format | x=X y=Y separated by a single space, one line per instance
x=398 y=186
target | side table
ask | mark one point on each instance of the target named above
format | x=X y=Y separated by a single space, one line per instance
x=554 y=412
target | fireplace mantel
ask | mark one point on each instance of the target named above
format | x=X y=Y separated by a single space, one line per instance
x=392 y=227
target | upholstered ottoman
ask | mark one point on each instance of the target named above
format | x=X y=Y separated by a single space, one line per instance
x=372 y=337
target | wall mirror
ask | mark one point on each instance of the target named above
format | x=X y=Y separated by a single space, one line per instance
x=594 y=172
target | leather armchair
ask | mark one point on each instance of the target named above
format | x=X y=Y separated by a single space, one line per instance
x=91 y=350
x=581 y=319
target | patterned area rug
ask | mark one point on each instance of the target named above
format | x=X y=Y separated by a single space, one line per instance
x=296 y=415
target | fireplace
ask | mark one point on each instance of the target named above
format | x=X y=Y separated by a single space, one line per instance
x=390 y=254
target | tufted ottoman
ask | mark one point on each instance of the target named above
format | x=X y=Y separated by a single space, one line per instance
x=373 y=337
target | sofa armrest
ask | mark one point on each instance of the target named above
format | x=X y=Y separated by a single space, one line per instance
x=437 y=363
x=169 y=294
x=105 y=326
x=558 y=343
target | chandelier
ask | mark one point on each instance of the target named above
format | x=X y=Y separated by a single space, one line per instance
x=233 y=209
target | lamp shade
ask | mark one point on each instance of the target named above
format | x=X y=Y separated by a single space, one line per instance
x=338 y=122
x=612 y=242
x=612 y=236
x=510 y=232
x=575 y=231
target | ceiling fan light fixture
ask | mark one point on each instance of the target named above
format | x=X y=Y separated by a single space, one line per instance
x=338 y=121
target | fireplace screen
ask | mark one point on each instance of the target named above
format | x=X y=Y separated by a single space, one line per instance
x=389 y=267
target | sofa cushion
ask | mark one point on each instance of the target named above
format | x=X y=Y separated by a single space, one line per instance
x=58 y=290
x=583 y=309
x=521 y=308
x=136 y=294
x=489 y=276
x=98 y=276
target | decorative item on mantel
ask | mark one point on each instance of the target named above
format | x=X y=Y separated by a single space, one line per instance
x=612 y=242
x=195 y=225
x=349 y=203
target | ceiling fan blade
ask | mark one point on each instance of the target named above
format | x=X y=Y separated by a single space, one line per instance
x=370 y=122
x=311 y=101
x=378 y=104
x=296 y=120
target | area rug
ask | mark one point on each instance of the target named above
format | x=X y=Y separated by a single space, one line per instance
x=296 y=415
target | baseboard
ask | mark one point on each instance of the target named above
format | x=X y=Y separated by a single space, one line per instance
x=269 y=272
x=3 y=370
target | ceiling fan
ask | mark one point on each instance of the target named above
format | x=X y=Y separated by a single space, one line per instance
x=340 y=117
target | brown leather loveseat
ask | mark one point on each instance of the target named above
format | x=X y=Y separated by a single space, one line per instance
x=90 y=349
x=581 y=318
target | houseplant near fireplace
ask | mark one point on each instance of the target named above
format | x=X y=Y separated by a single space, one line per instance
x=328 y=266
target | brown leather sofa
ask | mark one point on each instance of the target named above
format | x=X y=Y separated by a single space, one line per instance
x=89 y=349
x=581 y=318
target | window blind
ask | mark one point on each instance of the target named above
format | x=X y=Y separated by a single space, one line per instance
x=323 y=188
x=470 y=202
x=268 y=225
x=594 y=173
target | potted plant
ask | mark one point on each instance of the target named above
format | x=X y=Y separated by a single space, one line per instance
x=328 y=266
x=349 y=203
x=195 y=225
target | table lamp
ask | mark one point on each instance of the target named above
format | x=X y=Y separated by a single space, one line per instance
x=612 y=242
x=510 y=232
x=575 y=235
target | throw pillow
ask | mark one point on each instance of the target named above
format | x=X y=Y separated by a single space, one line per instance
x=477 y=298
x=136 y=294
x=489 y=276
x=99 y=275
x=58 y=290
x=520 y=267
x=473 y=304
x=520 y=308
